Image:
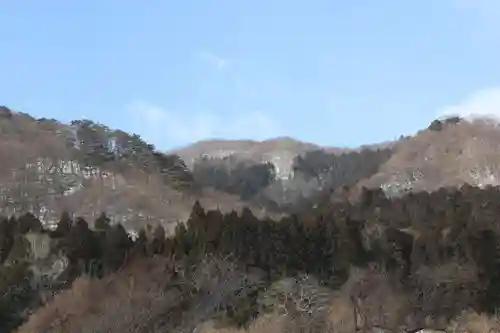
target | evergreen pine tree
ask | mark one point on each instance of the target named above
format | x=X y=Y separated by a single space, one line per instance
x=6 y=238
x=158 y=241
x=64 y=226
x=102 y=222
x=29 y=223
x=116 y=247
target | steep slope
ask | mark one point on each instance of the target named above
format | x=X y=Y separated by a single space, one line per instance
x=47 y=167
x=448 y=153
x=217 y=162
x=317 y=173
x=279 y=151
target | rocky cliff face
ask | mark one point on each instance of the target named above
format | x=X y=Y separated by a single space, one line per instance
x=47 y=167
x=84 y=168
x=451 y=154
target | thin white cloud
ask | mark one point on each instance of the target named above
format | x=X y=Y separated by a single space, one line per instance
x=240 y=99
x=253 y=125
x=232 y=79
x=232 y=76
x=482 y=103
x=213 y=59
x=175 y=128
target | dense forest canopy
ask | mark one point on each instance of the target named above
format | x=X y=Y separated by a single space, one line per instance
x=234 y=176
x=397 y=262
x=438 y=252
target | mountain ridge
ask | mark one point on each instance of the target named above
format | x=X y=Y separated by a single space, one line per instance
x=85 y=167
x=49 y=167
x=365 y=230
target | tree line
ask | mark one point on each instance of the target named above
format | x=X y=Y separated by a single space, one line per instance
x=414 y=239
x=230 y=175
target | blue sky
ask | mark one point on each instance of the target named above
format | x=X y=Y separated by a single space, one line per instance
x=339 y=73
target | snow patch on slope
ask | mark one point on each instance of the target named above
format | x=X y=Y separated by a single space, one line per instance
x=283 y=163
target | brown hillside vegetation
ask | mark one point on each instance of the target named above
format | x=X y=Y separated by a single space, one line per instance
x=257 y=151
x=450 y=155
x=85 y=168
x=385 y=261
x=423 y=260
x=125 y=302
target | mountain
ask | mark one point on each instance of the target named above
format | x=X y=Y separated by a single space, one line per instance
x=48 y=167
x=301 y=170
x=449 y=153
x=427 y=260
x=279 y=235
x=279 y=151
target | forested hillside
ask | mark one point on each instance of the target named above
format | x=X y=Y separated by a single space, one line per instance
x=239 y=166
x=48 y=167
x=423 y=260
x=102 y=232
